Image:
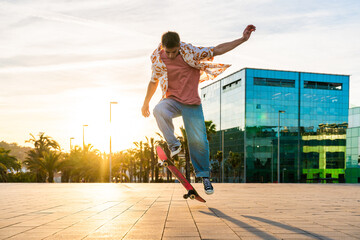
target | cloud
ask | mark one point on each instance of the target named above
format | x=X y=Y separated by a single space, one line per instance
x=66 y=54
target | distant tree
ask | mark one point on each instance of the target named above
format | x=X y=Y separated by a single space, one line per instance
x=43 y=159
x=219 y=157
x=140 y=158
x=121 y=166
x=17 y=151
x=84 y=165
x=235 y=162
x=184 y=143
x=51 y=163
x=7 y=163
x=151 y=156
x=210 y=129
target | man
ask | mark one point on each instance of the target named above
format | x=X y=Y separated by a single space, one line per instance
x=179 y=67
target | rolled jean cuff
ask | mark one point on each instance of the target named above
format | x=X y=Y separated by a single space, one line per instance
x=203 y=174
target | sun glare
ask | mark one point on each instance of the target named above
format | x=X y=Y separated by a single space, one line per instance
x=94 y=110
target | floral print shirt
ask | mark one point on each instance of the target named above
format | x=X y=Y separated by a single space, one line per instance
x=196 y=57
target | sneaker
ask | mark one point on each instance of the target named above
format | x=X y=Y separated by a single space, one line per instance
x=207 y=186
x=175 y=151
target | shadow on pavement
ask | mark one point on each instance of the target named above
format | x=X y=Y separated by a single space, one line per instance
x=263 y=234
x=241 y=224
x=287 y=227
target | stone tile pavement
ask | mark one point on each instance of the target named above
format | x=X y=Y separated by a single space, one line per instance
x=158 y=211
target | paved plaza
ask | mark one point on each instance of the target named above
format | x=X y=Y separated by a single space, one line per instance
x=158 y=211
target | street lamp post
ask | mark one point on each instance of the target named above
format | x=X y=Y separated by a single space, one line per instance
x=110 y=180
x=70 y=143
x=222 y=156
x=278 y=154
x=272 y=162
x=84 y=135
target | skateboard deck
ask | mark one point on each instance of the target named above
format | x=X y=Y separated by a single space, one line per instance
x=192 y=194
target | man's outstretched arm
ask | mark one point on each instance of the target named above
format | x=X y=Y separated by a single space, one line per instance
x=226 y=47
x=150 y=92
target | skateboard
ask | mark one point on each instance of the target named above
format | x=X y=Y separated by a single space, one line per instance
x=166 y=162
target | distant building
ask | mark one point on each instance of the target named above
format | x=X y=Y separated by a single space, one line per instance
x=247 y=107
x=353 y=147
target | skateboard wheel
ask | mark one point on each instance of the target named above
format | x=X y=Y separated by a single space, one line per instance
x=192 y=196
x=185 y=196
x=165 y=164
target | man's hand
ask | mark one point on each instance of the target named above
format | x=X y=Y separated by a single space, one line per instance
x=150 y=92
x=145 y=110
x=226 y=47
x=247 y=32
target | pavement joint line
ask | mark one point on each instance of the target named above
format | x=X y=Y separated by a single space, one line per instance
x=192 y=216
x=162 y=235
x=65 y=217
x=35 y=226
x=141 y=216
x=70 y=215
x=115 y=216
x=24 y=214
x=333 y=229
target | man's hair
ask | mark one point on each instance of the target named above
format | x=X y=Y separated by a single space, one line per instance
x=170 y=40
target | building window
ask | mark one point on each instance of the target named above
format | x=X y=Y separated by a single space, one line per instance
x=311 y=160
x=231 y=85
x=274 y=82
x=335 y=160
x=323 y=85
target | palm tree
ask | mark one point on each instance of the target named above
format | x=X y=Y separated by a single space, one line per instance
x=44 y=143
x=52 y=163
x=122 y=166
x=84 y=165
x=151 y=155
x=139 y=154
x=219 y=158
x=235 y=161
x=210 y=129
x=91 y=165
x=184 y=143
x=7 y=162
x=35 y=160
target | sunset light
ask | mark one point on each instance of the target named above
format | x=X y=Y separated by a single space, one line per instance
x=62 y=63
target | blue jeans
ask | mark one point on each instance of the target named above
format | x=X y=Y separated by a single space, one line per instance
x=194 y=123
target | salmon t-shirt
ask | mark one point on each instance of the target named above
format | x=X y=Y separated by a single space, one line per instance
x=183 y=80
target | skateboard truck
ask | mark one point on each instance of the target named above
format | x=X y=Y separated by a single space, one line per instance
x=191 y=194
x=162 y=163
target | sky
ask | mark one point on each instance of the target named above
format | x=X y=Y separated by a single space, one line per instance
x=62 y=62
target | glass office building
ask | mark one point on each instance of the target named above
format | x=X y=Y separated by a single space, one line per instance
x=353 y=147
x=278 y=126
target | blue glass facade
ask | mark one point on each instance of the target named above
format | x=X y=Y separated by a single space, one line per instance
x=353 y=147
x=248 y=106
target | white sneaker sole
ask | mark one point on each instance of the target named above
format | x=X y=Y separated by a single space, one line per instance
x=209 y=192
x=172 y=154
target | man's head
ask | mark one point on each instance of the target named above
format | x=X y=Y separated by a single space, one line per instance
x=171 y=44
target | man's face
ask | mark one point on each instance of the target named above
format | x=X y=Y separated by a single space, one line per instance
x=171 y=52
